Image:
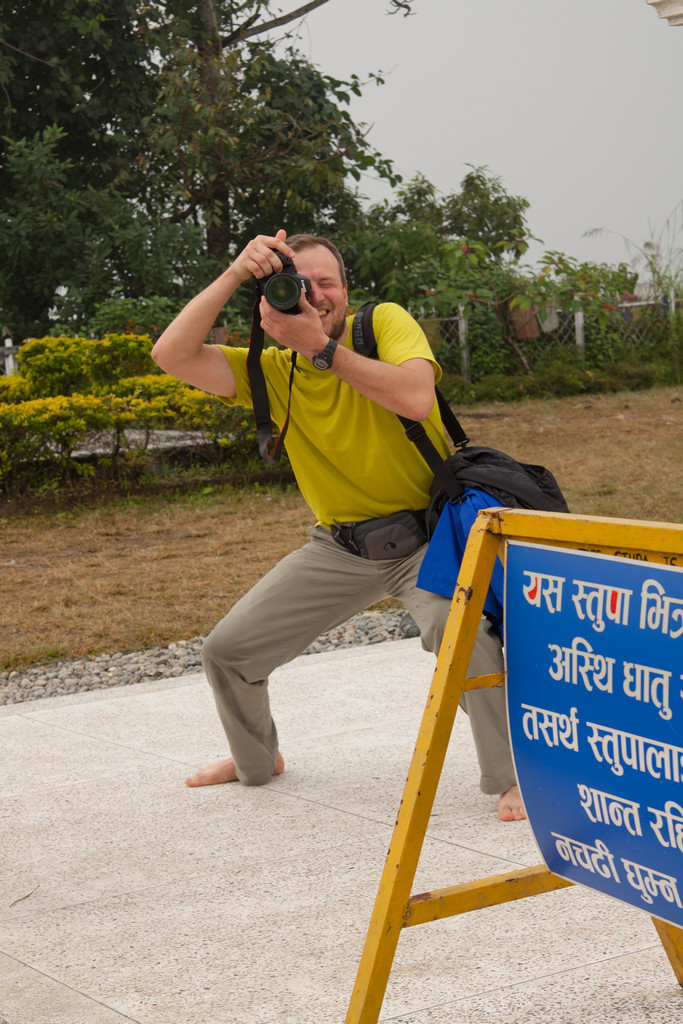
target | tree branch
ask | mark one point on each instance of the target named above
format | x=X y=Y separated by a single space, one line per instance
x=23 y=53
x=405 y=5
x=250 y=29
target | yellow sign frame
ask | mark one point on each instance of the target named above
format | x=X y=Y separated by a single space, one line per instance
x=395 y=908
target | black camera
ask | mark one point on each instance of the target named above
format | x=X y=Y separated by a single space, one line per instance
x=282 y=289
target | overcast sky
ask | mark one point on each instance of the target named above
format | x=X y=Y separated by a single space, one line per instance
x=576 y=105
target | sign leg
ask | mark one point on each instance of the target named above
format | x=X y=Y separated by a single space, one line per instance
x=672 y=940
x=449 y=682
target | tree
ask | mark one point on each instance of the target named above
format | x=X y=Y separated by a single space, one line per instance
x=155 y=125
x=75 y=81
x=259 y=141
x=570 y=285
x=70 y=247
x=83 y=66
x=474 y=280
x=484 y=211
x=400 y=249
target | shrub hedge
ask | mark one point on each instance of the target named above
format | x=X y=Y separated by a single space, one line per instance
x=108 y=396
x=75 y=396
x=67 y=366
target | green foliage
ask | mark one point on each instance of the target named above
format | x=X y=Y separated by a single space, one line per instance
x=150 y=386
x=230 y=431
x=13 y=389
x=65 y=366
x=664 y=346
x=675 y=345
x=72 y=247
x=117 y=356
x=466 y=279
x=570 y=285
x=78 y=395
x=76 y=82
x=484 y=289
x=41 y=437
x=46 y=430
x=84 y=66
x=225 y=120
x=40 y=226
x=392 y=251
x=605 y=342
x=132 y=316
x=415 y=251
x=146 y=142
x=553 y=378
x=54 y=366
x=488 y=351
x=484 y=211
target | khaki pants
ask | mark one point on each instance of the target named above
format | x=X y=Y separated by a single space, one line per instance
x=310 y=591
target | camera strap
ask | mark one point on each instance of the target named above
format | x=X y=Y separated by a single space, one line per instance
x=270 y=442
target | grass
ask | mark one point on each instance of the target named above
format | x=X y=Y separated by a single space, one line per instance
x=126 y=574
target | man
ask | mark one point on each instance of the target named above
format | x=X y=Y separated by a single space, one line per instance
x=353 y=463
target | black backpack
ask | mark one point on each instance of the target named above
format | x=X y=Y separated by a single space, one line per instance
x=513 y=484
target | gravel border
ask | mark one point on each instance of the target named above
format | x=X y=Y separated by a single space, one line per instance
x=55 y=678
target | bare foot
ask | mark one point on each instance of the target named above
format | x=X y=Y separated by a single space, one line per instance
x=224 y=771
x=510 y=806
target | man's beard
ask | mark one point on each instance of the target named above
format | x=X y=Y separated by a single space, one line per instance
x=337 y=325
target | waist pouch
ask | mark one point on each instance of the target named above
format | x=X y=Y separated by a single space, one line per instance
x=395 y=536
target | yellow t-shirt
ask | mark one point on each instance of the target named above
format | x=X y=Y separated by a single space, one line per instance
x=351 y=458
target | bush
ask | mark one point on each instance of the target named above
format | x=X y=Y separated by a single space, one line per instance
x=13 y=389
x=67 y=366
x=231 y=432
x=54 y=366
x=489 y=352
x=46 y=430
x=627 y=376
x=553 y=378
x=39 y=437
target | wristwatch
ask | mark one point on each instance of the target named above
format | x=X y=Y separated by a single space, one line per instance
x=323 y=360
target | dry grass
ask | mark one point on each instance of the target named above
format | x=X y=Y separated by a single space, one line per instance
x=137 y=573
x=128 y=575
x=613 y=455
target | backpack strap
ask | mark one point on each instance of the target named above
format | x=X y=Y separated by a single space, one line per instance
x=362 y=331
x=364 y=342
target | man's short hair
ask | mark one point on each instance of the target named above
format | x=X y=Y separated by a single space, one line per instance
x=299 y=242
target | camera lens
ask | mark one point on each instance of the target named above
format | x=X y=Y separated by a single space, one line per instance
x=282 y=291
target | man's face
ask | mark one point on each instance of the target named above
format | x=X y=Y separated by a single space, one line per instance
x=327 y=295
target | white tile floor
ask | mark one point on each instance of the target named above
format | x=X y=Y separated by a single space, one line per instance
x=157 y=904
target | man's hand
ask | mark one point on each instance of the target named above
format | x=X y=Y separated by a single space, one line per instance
x=302 y=332
x=181 y=351
x=407 y=389
x=257 y=259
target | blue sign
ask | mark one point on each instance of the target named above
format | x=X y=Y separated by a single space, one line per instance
x=594 y=652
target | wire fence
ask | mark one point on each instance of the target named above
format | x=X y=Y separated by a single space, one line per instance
x=485 y=343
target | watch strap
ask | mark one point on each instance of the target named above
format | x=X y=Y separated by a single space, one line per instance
x=323 y=360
